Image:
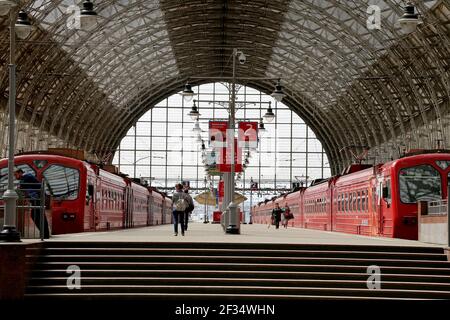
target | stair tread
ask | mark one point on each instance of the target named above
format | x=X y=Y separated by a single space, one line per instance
x=118 y=286
x=52 y=243
x=259 y=280
x=259 y=258
x=215 y=263
x=270 y=297
x=244 y=250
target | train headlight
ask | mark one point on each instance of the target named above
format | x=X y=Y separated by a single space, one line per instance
x=66 y=216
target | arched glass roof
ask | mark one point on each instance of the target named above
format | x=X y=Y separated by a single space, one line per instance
x=352 y=85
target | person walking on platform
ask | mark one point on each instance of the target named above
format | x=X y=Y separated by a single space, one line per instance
x=276 y=215
x=32 y=190
x=180 y=204
x=189 y=209
x=287 y=215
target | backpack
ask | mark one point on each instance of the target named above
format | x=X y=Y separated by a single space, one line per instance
x=181 y=205
x=190 y=208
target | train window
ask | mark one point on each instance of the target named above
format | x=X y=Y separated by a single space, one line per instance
x=443 y=164
x=63 y=182
x=363 y=201
x=358 y=201
x=40 y=163
x=387 y=191
x=367 y=200
x=421 y=183
x=4 y=173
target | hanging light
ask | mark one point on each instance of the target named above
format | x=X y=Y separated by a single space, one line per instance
x=5 y=6
x=410 y=19
x=88 y=17
x=269 y=116
x=278 y=94
x=187 y=93
x=23 y=26
x=197 y=128
x=194 y=114
x=261 y=127
x=203 y=145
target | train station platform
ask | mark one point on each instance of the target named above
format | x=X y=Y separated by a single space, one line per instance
x=250 y=233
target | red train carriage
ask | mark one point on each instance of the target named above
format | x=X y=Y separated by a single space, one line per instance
x=157 y=207
x=109 y=199
x=293 y=200
x=137 y=209
x=167 y=217
x=376 y=201
x=67 y=183
x=404 y=182
x=87 y=198
x=317 y=206
x=353 y=210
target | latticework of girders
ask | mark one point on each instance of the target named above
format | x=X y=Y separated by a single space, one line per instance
x=350 y=84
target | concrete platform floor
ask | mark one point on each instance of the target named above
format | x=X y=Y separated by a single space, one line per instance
x=255 y=233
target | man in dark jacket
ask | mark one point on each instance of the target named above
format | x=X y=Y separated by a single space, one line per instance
x=189 y=209
x=32 y=189
x=276 y=215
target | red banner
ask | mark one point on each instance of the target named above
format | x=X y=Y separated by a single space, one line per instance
x=225 y=156
x=218 y=133
x=221 y=189
x=248 y=134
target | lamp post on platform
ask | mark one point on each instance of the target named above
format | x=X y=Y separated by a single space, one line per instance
x=22 y=29
x=205 y=219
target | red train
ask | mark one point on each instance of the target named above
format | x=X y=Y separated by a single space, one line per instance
x=85 y=197
x=374 y=201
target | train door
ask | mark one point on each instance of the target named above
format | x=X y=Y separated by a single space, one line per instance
x=149 y=209
x=128 y=212
x=329 y=206
x=97 y=203
x=90 y=204
x=374 y=220
x=384 y=205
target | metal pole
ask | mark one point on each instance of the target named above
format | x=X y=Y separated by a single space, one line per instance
x=9 y=232
x=42 y=211
x=205 y=220
x=448 y=215
x=234 y=223
x=251 y=196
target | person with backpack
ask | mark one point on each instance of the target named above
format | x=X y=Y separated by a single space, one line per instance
x=180 y=204
x=189 y=209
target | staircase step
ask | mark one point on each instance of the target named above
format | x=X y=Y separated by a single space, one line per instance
x=95 y=251
x=117 y=274
x=220 y=297
x=240 y=259
x=238 y=266
x=251 y=246
x=280 y=290
x=269 y=282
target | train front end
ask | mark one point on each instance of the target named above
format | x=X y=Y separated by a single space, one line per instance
x=423 y=177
